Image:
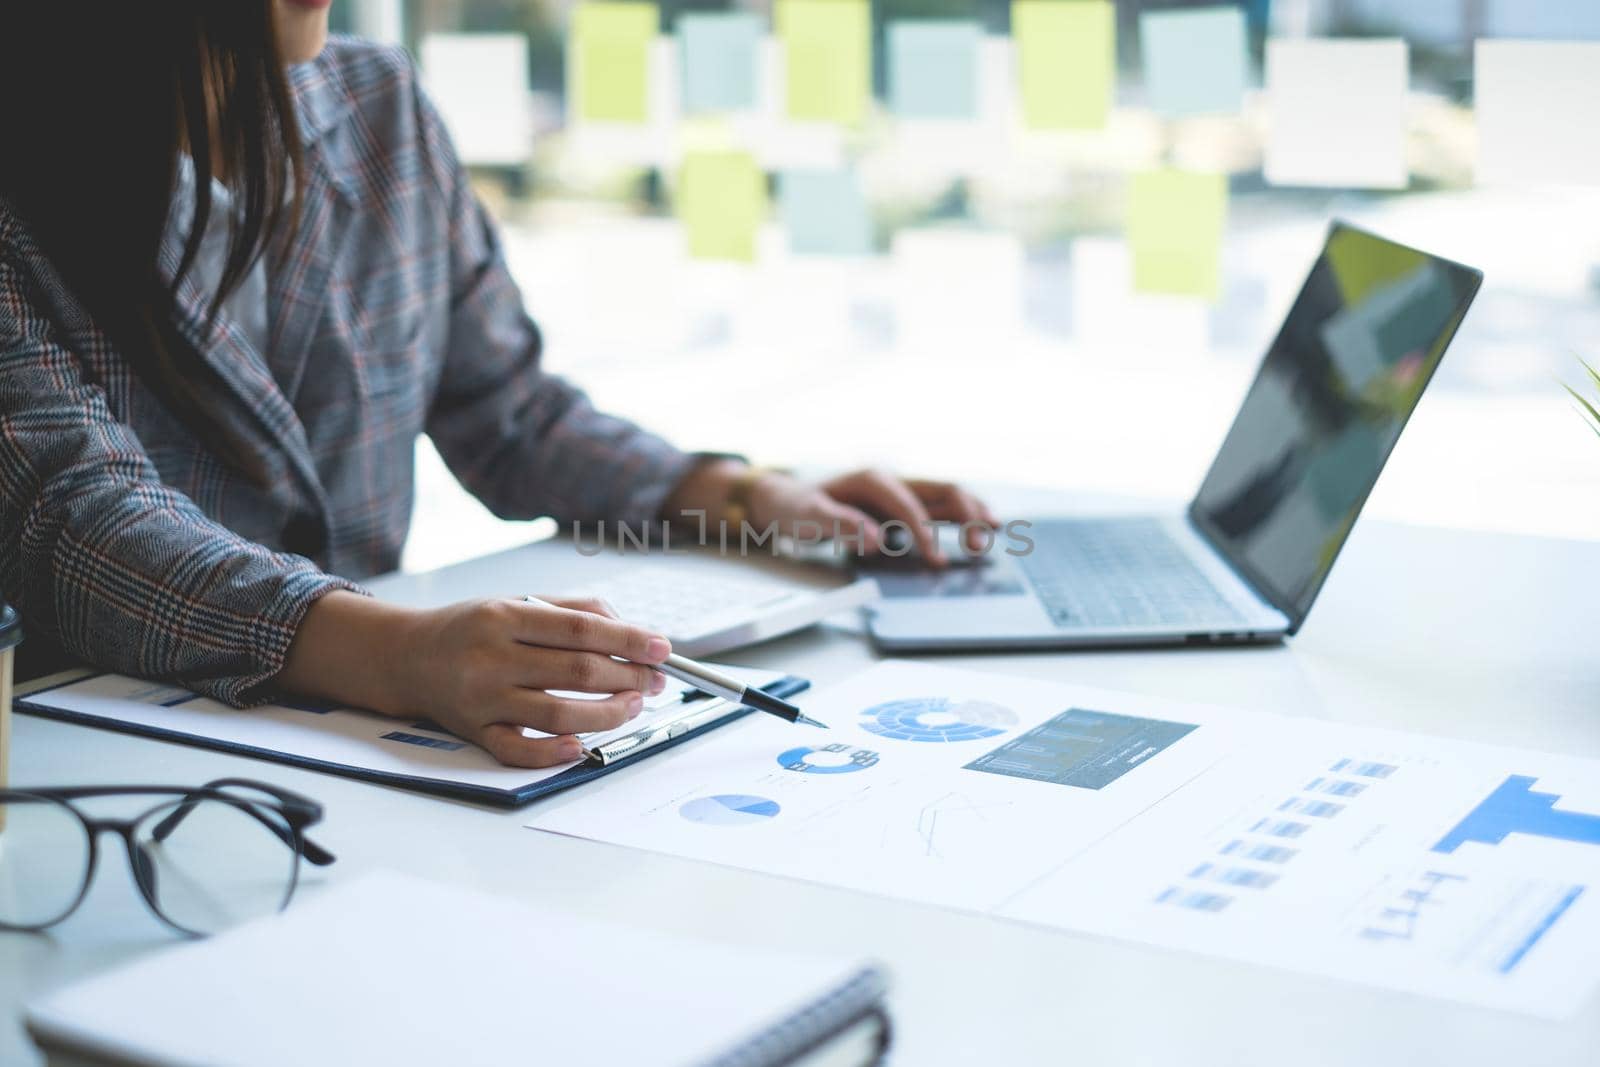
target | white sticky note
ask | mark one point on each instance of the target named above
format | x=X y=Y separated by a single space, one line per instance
x=985 y=267
x=479 y=83
x=1536 y=104
x=1108 y=315
x=1338 y=113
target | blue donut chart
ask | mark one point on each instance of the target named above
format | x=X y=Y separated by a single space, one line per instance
x=799 y=759
x=937 y=719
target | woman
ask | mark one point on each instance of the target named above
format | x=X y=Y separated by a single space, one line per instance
x=240 y=272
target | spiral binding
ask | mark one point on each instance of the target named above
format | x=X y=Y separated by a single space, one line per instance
x=814 y=1024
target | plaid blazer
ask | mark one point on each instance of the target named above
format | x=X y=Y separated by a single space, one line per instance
x=126 y=544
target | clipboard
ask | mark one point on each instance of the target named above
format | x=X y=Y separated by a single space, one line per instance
x=420 y=756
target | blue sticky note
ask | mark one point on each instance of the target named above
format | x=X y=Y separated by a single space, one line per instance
x=933 y=69
x=718 y=56
x=1195 y=60
x=825 y=213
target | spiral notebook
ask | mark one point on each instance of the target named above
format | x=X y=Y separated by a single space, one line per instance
x=395 y=970
x=416 y=755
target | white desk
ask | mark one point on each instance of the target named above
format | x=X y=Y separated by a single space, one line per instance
x=1479 y=636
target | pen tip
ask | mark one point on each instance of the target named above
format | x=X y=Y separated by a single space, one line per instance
x=809 y=721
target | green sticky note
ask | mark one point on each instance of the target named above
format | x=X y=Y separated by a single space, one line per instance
x=827 y=46
x=611 y=48
x=722 y=199
x=1066 y=61
x=1175 y=222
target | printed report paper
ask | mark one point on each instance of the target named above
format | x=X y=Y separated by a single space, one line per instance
x=1446 y=868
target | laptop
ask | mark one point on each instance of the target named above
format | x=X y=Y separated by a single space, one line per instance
x=1246 y=559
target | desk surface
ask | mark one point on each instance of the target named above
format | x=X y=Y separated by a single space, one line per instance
x=1485 y=637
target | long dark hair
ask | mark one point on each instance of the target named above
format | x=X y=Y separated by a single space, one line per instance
x=98 y=101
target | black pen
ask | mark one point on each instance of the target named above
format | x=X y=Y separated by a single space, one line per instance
x=729 y=688
x=721 y=685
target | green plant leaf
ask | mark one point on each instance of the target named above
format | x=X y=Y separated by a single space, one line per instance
x=1594 y=375
x=1588 y=408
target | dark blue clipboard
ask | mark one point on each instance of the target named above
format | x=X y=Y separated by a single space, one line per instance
x=786 y=686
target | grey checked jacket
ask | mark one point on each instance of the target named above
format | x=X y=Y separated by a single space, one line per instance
x=126 y=544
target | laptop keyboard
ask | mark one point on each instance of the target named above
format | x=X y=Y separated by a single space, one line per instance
x=1120 y=572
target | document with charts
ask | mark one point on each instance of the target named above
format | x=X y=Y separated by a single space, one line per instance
x=1413 y=863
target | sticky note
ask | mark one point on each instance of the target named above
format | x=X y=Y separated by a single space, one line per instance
x=1174 y=222
x=956 y=286
x=824 y=213
x=933 y=69
x=722 y=199
x=611 y=47
x=1338 y=113
x=1536 y=103
x=1195 y=60
x=827 y=55
x=479 y=82
x=718 y=57
x=1066 y=61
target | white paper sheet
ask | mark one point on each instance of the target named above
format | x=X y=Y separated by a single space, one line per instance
x=1339 y=851
x=1338 y=113
x=901 y=817
x=1535 y=103
x=1366 y=855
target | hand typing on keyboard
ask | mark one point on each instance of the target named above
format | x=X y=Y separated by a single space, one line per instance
x=858 y=505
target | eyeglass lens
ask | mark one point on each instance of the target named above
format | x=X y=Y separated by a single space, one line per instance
x=44 y=860
x=223 y=863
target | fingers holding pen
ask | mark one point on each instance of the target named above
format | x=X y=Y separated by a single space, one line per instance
x=585 y=625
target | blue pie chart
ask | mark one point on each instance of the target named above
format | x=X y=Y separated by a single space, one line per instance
x=729 y=809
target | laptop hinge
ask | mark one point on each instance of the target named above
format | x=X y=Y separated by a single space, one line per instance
x=1240 y=569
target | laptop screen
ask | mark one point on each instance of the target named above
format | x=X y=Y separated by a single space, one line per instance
x=1326 y=408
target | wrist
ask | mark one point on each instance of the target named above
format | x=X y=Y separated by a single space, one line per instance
x=354 y=650
x=762 y=496
x=704 y=491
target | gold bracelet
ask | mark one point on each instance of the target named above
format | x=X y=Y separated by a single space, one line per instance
x=736 y=505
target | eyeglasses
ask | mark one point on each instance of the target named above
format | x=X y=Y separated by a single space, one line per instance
x=210 y=857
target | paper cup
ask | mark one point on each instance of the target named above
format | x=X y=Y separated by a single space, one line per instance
x=10 y=638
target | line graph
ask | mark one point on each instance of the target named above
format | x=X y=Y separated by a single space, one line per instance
x=952 y=812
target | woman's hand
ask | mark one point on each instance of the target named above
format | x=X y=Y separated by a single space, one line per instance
x=860 y=503
x=483 y=669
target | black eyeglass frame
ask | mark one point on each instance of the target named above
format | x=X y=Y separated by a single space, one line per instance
x=285 y=813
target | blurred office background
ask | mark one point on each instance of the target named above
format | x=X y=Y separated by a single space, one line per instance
x=989 y=327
